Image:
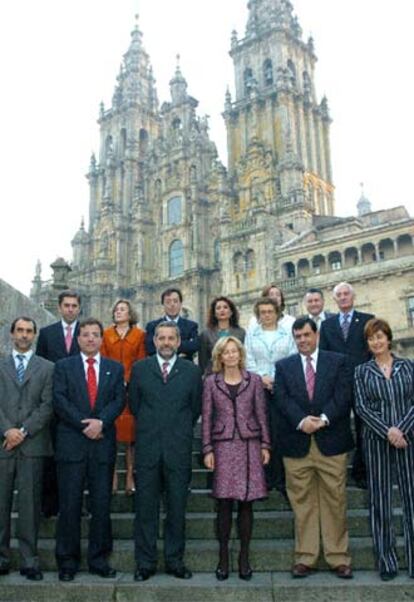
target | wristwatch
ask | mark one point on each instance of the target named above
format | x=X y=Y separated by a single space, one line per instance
x=23 y=431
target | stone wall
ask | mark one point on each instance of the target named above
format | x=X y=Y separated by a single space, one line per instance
x=12 y=304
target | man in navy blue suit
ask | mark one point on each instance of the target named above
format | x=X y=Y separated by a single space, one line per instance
x=172 y=301
x=55 y=342
x=88 y=395
x=344 y=333
x=312 y=400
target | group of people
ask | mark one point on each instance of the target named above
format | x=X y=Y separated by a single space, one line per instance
x=275 y=402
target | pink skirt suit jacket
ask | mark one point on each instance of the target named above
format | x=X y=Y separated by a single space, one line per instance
x=236 y=430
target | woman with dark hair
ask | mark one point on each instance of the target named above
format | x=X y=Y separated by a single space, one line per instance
x=125 y=342
x=223 y=321
x=384 y=399
x=236 y=445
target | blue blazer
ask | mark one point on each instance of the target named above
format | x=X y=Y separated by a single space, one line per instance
x=189 y=337
x=332 y=397
x=355 y=347
x=51 y=342
x=71 y=405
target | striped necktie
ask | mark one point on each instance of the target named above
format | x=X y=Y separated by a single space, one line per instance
x=346 y=323
x=310 y=377
x=20 y=368
x=165 y=366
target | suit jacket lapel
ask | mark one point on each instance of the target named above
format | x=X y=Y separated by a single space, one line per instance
x=81 y=381
x=321 y=369
x=31 y=368
x=11 y=367
x=301 y=381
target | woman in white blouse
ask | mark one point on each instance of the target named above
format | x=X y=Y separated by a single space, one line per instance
x=274 y=292
x=267 y=342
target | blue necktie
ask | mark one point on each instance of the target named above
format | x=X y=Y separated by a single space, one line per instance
x=345 y=326
x=20 y=368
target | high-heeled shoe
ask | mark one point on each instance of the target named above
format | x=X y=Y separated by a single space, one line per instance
x=246 y=573
x=221 y=574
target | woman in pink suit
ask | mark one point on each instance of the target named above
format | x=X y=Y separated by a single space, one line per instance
x=236 y=444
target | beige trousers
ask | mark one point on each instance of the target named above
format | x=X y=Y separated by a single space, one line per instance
x=316 y=486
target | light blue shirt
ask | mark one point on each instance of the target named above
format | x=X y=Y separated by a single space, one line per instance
x=265 y=347
x=342 y=315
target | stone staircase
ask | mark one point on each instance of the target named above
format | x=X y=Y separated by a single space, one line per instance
x=271 y=558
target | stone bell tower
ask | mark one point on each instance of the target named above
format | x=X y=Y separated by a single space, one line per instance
x=277 y=131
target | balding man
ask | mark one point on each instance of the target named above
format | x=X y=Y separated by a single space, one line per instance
x=344 y=333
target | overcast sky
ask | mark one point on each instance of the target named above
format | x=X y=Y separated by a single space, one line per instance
x=60 y=59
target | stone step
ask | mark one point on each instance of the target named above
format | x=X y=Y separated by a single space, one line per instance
x=201 y=525
x=264 y=587
x=202 y=555
x=200 y=500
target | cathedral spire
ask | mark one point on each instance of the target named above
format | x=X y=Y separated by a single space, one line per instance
x=266 y=15
x=178 y=84
x=135 y=81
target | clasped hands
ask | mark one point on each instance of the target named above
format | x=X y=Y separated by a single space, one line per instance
x=311 y=424
x=12 y=438
x=396 y=438
x=93 y=430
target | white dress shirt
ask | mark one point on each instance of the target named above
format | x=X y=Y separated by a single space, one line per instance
x=26 y=357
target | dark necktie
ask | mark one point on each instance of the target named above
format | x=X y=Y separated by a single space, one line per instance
x=20 y=368
x=310 y=377
x=165 y=371
x=345 y=325
x=91 y=382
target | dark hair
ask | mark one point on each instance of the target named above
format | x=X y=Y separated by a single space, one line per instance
x=133 y=315
x=266 y=301
x=169 y=291
x=266 y=290
x=212 y=321
x=313 y=291
x=91 y=322
x=69 y=293
x=25 y=319
x=377 y=325
x=301 y=322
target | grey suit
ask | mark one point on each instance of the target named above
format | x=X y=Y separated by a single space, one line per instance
x=29 y=405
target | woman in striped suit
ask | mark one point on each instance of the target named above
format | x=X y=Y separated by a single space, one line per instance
x=384 y=389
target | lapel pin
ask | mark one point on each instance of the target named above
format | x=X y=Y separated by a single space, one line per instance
x=108 y=374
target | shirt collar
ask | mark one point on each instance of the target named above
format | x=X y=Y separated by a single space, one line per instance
x=27 y=355
x=170 y=362
x=314 y=357
x=96 y=357
x=169 y=319
x=72 y=326
x=342 y=314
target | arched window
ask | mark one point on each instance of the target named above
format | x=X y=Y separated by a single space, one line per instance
x=174 y=210
x=268 y=72
x=250 y=260
x=248 y=80
x=176 y=258
x=292 y=71
x=123 y=141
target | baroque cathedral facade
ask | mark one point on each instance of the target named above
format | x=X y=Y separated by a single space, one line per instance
x=164 y=211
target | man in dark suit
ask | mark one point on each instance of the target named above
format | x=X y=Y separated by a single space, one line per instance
x=172 y=300
x=314 y=302
x=88 y=395
x=165 y=397
x=25 y=412
x=344 y=333
x=55 y=342
x=312 y=400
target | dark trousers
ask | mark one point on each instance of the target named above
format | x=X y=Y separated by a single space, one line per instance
x=72 y=477
x=275 y=470
x=25 y=474
x=50 y=500
x=152 y=481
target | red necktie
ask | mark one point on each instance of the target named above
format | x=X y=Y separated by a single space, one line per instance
x=91 y=382
x=310 y=377
x=165 y=371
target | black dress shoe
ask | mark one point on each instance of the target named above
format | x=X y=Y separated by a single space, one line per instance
x=388 y=575
x=107 y=572
x=66 y=575
x=221 y=574
x=4 y=570
x=143 y=574
x=32 y=574
x=246 y=575
x=180 y=572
